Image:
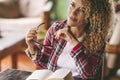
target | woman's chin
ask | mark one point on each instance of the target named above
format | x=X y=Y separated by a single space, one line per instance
x=71 y=24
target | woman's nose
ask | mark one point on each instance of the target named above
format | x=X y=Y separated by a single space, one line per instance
x=74 y=12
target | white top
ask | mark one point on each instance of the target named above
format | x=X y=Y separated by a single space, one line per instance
x=66 y=61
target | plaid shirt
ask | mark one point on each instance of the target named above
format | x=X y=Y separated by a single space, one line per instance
x=89 y=66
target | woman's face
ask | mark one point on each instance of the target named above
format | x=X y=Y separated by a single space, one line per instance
x=76 y=13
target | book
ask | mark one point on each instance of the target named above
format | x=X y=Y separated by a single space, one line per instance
x=44 y=74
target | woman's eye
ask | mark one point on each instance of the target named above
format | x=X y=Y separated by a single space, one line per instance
x=72 y=4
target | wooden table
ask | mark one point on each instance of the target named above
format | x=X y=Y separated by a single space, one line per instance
x=12 y=41
x=13 y=32
x=14 y=74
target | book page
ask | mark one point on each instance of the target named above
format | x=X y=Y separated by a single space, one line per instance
x=40 y=75
x=61 y=74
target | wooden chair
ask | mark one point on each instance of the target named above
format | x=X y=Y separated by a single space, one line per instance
x=112 y=52
x=112 y=49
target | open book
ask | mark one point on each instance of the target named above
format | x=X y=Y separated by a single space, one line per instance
x=60 y=74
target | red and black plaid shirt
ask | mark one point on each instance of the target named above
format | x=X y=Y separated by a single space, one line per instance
x=89 y=67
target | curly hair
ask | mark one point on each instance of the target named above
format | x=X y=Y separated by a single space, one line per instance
x=99 y=15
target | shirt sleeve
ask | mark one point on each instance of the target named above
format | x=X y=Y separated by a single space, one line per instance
x=42 y=55
x=87 y=66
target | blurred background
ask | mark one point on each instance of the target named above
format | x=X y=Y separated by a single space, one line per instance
x=17 y=16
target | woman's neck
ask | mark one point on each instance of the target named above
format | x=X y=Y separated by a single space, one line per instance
x=77 y=31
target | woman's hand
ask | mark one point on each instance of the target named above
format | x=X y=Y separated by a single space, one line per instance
x=66 y=34
x=31 y=34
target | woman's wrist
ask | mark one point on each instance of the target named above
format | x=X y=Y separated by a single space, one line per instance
x=31 y=50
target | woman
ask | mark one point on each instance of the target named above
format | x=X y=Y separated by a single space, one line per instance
x=76 y=43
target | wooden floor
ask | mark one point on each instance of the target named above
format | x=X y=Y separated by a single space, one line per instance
x=23 y=62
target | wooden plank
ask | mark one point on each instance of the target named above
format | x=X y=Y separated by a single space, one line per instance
x=20 y=46
x=14 y=74
x=115 y=78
